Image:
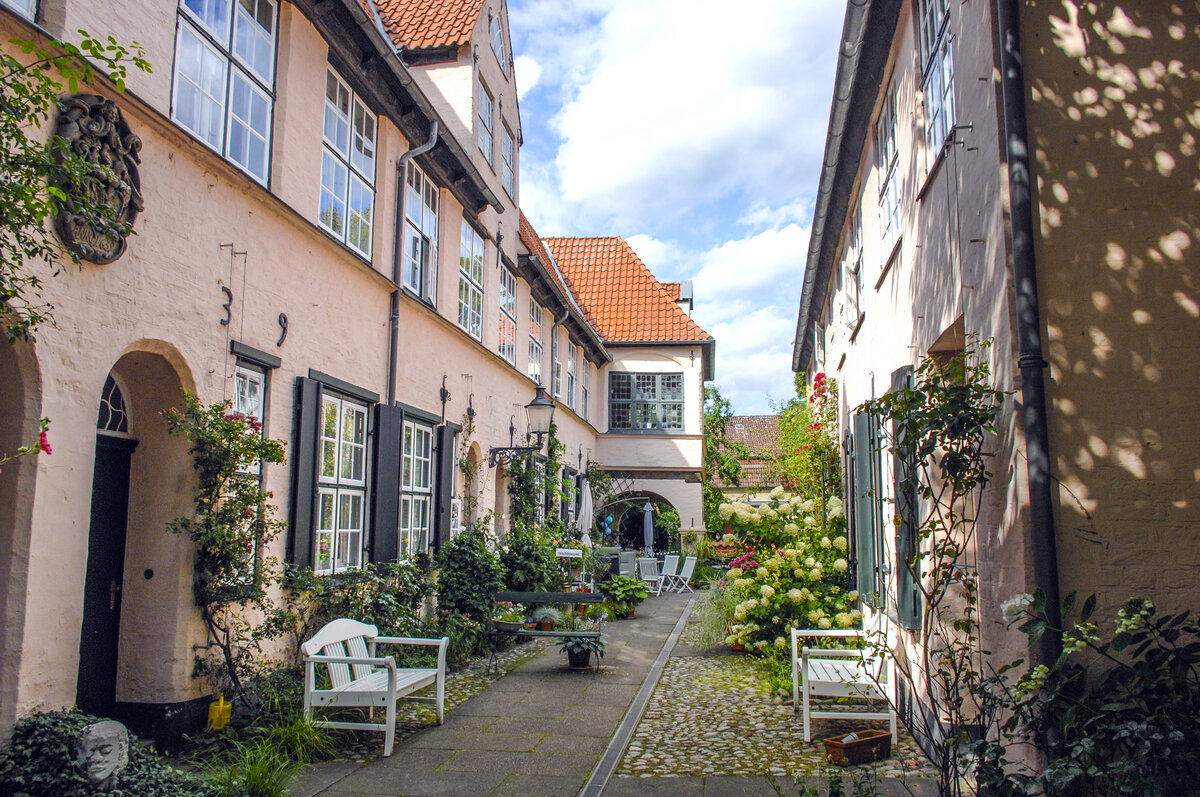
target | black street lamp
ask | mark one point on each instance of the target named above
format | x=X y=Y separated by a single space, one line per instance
x=540 y=414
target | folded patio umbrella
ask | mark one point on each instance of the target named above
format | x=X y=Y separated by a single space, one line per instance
x=584 y=519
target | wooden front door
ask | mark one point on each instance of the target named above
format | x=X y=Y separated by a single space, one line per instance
x=96 y=686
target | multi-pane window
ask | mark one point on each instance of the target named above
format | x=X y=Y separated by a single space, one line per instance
x=249 y=393
x=508 y=316
x=485 y=122
x=853 y=266
x=416 y=488
x=496 y=35
x=645 y=402
x=341 y=489
x=470 y=282
x=937 y=66
x=555 y=364
x=508 y=154
x=535 y=342
x=886 y=161
x=225 y=77
x=420 y=234
x=347 y=165
x=584 y=394
x=571 y=363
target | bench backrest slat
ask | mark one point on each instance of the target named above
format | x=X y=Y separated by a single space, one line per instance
x=358 y=647
x=339 y=674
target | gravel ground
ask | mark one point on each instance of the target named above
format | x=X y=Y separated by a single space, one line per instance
x=716 y=715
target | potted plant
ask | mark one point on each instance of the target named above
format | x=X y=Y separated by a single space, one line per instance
x=508 y=617
x=579 y=650
x=624 y=593
x=545 y=617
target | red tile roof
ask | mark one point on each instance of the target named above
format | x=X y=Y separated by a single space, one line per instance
x=622 y=299
x=419 y=24
x=758 y=433
x=533 y=243
x=673 y=289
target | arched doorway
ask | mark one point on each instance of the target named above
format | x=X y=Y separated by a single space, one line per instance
x=140 y=623
x=628 y=526
x=96 y=684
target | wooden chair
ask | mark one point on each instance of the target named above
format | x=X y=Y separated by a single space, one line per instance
x=669 y=565
x=863 y=673
x=360 y=678
x=682 y=580
x=648 y=570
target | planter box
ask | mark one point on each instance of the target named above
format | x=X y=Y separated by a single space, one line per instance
x=869 y=746
x=506 y=626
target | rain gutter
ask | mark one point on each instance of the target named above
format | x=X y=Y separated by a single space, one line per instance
x=1029 y=322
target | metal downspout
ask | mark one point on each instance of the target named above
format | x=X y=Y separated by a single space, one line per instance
x=398 y=256
x=1029 y=336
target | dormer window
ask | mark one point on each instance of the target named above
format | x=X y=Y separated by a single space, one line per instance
x=496 y=34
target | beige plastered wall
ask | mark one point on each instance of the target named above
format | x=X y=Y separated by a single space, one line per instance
x=1113 y=93
x=950 y=265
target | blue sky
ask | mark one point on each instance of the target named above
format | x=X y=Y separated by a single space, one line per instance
x=694 y=129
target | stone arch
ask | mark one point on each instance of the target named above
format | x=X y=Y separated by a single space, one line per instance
x=159 y=623
x=20 y=409
x=627 y=510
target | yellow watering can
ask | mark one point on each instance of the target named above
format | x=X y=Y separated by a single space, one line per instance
x=219 y=713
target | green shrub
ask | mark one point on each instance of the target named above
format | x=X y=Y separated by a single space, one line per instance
x=40 y=762
x=624 y=593
x=470 y=577
x=529 y=562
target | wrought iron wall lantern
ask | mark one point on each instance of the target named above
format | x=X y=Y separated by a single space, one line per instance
x=540 y=413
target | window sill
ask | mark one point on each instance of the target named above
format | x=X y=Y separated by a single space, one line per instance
x=935 y=167
x=857 y=326
x=892 y=257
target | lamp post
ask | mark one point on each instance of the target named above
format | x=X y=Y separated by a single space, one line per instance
x=540 y=414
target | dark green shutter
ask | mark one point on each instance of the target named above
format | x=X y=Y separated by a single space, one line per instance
x=444 y=489
x=862 y=489
x=908 y=595
x=385 y=483
x=306 y=421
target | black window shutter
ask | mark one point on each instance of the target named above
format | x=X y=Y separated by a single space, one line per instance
x=908 y=596
x=385 y=484
x=862 y=490
x=445 y=485
x=306 y=421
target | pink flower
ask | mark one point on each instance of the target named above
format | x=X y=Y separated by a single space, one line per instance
x=44 y=443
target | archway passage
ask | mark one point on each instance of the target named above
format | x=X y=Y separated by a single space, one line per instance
x=99 y=638
x=628 y=526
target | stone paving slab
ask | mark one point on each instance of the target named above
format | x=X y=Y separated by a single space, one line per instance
x=541 y=785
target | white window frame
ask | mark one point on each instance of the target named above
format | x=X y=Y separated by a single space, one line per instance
x=496 y=38
x=937 y=78
x=26 y=8
x=853 y=280
x=508 y=154
x=348 y=148
x=535 y=341
x=341 y=487
x=246 y=51
x=555 y=364
x=250 y=400
x=486 y=138
x=585 y=391
x=470 y=281
x=887 y=161
x=572 y=359
x=508 y=316
x=420 y=234
x=416 y=488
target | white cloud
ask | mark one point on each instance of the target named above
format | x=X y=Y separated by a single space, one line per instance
x=528 y=73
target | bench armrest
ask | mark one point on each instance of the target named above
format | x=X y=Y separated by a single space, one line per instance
x=384 y=661
x=847 y=652
x=829 y=632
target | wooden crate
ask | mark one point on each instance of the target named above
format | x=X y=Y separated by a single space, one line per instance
x=869 y=746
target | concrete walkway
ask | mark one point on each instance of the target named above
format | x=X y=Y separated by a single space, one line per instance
x=540 y=730
x=543 y=730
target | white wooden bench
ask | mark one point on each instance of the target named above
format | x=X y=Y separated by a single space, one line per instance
x=360 y=678
x=864 y=673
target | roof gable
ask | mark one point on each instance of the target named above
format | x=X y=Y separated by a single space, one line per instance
x=621 y=298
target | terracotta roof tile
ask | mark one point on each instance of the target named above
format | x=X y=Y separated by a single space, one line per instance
x=673 y=289
x=419 y=24
x=621 y=298
x=533 y=243
x=758 y=433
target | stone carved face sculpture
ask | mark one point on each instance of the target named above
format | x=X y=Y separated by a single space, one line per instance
x=103 y=751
